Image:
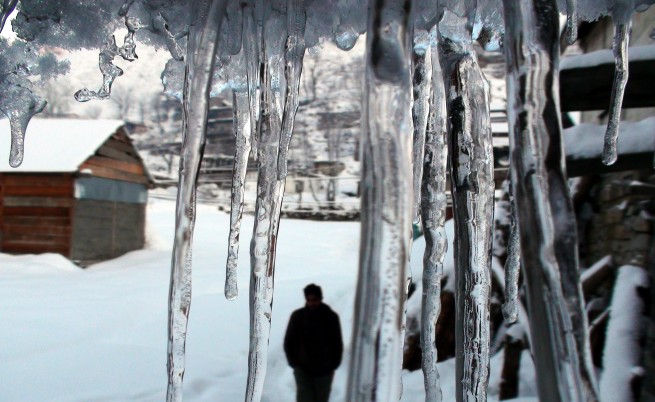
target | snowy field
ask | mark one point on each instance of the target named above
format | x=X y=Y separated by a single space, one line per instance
x=100 y=334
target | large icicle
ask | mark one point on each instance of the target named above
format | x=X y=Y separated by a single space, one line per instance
x=386 y=206
x=242 y=130
x=201 y=56
x=512 y=265
x=270 y=192
x=558 y=323
x=252 y=46
x=571 y=21
x=293 y=57
x=160 y=26
x=234 y=14
x=421 y=82
x=433 y=217
x=19 y=104
x=472 y=184
x=621 y=43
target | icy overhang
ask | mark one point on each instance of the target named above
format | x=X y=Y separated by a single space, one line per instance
x=57 y=145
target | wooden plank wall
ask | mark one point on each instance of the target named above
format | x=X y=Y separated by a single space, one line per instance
x=106 y=229
x=36 y=213
x=117 y=159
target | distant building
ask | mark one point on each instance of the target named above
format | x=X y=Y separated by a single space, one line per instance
x=80 y=192
x=218 y=158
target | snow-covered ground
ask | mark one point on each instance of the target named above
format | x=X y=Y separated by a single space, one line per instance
x=100 y=334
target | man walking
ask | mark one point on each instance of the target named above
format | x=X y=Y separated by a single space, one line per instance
x=313 y=346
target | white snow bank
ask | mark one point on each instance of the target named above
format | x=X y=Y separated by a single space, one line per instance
x=622 y=351
x=100 y=334
x=30 y=264
x=606 y=56
x=586 y=140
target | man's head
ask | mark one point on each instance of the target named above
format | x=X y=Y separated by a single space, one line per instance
x=313 y=296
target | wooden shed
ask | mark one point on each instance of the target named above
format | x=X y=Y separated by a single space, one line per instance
x=81 y=191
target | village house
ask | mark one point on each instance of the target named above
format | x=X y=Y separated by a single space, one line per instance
x=81 y=191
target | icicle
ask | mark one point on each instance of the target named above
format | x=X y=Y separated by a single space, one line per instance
x=201 y=56
x=234 y=26
x=252 y=38
x=294 y=54
x=473 y=191
x=512 y=265
x=107 y=68
x=6 y=8
x=270 y=192
x=128 y=50
x=571 y=21
x=621 y=43
x=242 y=131
x=433 y=213
x=386 y=207
x=558 y=323
x=109 y=73
x=421 y=79
x=19 y=104
x=125 y=8
x=472 y=182
x=160 y=25
x=345 y=36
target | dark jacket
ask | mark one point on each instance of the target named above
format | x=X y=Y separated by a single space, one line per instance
x=313 y=340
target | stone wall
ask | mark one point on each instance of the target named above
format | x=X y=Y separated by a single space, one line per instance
x=623 y=219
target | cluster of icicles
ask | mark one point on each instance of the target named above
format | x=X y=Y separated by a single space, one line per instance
x=426 y=107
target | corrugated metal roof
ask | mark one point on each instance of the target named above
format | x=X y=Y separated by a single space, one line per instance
x=56 y=145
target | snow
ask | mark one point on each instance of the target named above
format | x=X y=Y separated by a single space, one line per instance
x=57 y=145
x=622 y=352
x=100 y=334
x=606 y=56
x=586 y=140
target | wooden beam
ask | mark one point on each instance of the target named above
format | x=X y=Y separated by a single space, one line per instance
x=590 y=88
x=583 y=167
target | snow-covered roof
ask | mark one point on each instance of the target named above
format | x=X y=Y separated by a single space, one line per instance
x=56 y=145
x=606 y=56
x=586 y=140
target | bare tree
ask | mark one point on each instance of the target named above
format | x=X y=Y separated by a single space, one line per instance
x=93 y=111
x=58 y=94
x=123 y=101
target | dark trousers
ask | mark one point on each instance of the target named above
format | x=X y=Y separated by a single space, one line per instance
x=312 y=389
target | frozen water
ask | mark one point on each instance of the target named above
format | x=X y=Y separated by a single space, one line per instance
x=261 y=54
x=471 y=168
x=512 y=266
x=621 y=43
x=159 y=25
x=433 y=217
x=6 y=8
x=547 y=225
x=422 y=84
x=293 y=57
x=386 y=208
x=201 y=52
x=105 y=60
x=571 y=21
x=242 y=130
